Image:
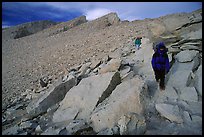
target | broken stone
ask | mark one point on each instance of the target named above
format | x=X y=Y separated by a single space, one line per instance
x=115 y=55
x=23 y=94
x=128 y=76
x=170 y=93
x=75 y=68
x=189 y=47
x=107 y=131
x=112 y=66
x=126 y=51
x=25 y=125
x=125 y=70
x=105 y=59
x=65 y=78
x=186 y=55
x=29 y=97
x=174 y=50
x=75 y=126
x=95 y=70
x=41 y=90
x=53 y=108
x=87 y=72
x=197 y=120
x=83 y=69
x=26 y=92
x=129 y=93
x=50 y=98
x=11 y=131
x=170 y=57
x=19 y=106
x=179 y=79
x=198 y=80
x=10 y=111
x=116 y=130
x=24 y=133
x=15 y=101
x=170 y=112
x=194 y=108
x=80 y=101
x=43 y=83
x=68 y=77
x=38 y=129
x=87 y=60
x=3 y=120
x=113 y=49
x=95 y=64
x=132 y=124
x=189 y=94
x=24 y=119
x=51 y=131
x=186 y=117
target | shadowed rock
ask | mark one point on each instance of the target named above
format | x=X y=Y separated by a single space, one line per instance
x=81 y=100
x=51 y=97
x=132 y=124
x=129 y=96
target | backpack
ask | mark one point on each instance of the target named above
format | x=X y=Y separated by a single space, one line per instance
x=155 y=46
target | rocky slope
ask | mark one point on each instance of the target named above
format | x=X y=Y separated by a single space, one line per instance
x=26 y=29
x=94 y=81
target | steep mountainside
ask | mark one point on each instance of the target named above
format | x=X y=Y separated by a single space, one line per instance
x=50 y=78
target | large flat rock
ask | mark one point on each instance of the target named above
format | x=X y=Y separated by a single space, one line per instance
x=81 y=100
x=129 y=96
x=180 y=73
x=170 y=112
x=179 y=79
x=189 y=94
x=186 y=55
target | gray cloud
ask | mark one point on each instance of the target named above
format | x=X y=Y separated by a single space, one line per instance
x=92 y=10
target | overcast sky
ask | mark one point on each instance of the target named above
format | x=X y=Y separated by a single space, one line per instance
x=14 y=13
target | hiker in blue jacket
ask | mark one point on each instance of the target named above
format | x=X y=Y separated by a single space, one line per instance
x=160 y=64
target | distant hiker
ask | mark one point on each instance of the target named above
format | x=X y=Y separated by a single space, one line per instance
x=138 y=42
x=160 y=64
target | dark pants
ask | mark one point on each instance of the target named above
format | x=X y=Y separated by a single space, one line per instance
x=160 y=74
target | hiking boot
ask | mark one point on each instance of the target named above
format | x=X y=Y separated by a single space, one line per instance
x=162 y=88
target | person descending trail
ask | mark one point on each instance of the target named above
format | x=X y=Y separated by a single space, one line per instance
x=138 y=42
x=160 y=64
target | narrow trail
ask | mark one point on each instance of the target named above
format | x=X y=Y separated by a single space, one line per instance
x=143 y=67
x=171 y=96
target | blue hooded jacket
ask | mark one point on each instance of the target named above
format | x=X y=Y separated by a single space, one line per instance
x=160 y=60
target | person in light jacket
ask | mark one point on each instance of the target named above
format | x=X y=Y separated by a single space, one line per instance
x=138 y=42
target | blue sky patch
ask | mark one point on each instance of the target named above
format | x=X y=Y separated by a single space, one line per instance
x=14 y=13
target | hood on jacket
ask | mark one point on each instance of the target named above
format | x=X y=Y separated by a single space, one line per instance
x=161 y=46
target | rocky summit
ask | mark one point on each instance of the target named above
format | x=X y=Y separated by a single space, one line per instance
x=87 y=78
